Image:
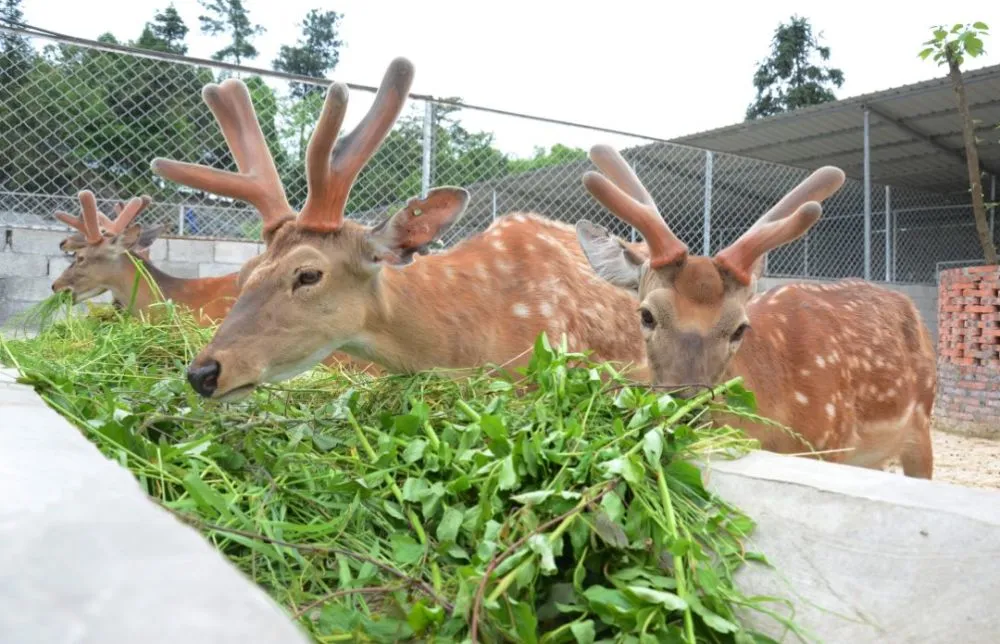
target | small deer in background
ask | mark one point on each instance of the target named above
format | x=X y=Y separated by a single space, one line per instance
x=848 y=366
x=327 y=283
x=106 y=252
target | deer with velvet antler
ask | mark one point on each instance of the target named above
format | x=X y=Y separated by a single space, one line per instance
x=107 y=256
x=848 y=366
x=325 y=282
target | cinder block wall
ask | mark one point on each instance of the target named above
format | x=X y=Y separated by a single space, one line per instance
x=969 y=349
x=30 y=260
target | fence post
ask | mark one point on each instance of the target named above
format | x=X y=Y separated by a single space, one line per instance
x=868 y=200
x=890 y=225
x=993 y=207
x=180 y=220
x=494 y=204
x=706 y=240
x=428 y=148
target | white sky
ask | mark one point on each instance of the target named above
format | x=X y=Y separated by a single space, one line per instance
x=659 y=68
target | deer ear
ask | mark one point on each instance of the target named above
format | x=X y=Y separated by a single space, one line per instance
x=608 y=256
x=418 y=224
x=128 y=238
x=148 y=236
x=72 y=243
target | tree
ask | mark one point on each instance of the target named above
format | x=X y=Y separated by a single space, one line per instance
x=791 y=77
x=165 y=33
x=950 y=47
x=16 y=53
x=232 y=18
x=316 y=53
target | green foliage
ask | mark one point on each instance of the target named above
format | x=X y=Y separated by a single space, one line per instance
x=230 y=17
x=165 y=33
x=953 y=45
x=558 y=507
x=790 y=77
x=316 y=53
x=558 y=155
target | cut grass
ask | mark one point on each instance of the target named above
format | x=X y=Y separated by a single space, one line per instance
x=558 y=508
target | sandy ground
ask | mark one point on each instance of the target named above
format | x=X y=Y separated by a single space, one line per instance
x=974 y=462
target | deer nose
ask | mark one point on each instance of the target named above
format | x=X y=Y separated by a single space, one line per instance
x=204 y=378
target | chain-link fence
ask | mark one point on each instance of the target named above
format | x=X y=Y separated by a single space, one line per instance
x=75 y=117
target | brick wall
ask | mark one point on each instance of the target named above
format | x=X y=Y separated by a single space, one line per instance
x=969 y=348
x=30 y=260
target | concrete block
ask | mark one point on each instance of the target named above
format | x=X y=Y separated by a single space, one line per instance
x=856 y=550
x=88 y=558
x=10 y=310
x=31 y=289
x=57 y=265
x=232 y=252
x=217 y=270
x=186 y=270
x=38 y=242
x=190 y=250
x=158 y=251
x=23 y=265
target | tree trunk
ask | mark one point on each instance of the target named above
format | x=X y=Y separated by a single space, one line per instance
x=972 y=161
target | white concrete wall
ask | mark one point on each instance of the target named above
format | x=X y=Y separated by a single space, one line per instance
x=87 y=557
x=30 y=260
x=925 y=296
x=866 y=555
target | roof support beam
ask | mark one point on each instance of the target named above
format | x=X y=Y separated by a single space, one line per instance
x=925 y=137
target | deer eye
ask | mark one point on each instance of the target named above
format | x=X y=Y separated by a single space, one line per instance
x=738 y=333
x=307 y=278
x=648 y=322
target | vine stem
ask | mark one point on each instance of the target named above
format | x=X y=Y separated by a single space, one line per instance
x=668 y=507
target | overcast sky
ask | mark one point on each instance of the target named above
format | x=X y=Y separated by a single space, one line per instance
x=659 y=68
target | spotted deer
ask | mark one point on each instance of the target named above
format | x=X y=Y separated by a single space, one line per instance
x=849 y=366
x=326 y=283
x=105 y=256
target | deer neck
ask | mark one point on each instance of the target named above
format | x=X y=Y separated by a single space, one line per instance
x=149 y=292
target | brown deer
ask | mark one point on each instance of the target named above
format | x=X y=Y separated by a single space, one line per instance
x=106 y=252
x=848 y=365
x=326 y=283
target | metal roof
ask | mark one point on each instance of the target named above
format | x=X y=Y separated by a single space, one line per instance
x=916 y=135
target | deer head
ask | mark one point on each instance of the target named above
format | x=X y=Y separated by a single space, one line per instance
x=100 y=247
x=309 y=292
x=692 y=309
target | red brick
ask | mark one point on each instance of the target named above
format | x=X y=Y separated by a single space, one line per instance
x=980 y=270
x=972 y=308
x=965 y=361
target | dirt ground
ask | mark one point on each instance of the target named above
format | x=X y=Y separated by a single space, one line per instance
x=963 y=460
x=974 y=462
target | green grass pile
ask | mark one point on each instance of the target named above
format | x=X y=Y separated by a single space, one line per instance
x=559 y=507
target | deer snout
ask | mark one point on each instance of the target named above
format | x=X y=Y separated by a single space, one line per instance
x=204 y=377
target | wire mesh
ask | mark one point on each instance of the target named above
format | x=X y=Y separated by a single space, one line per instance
x=75 y=117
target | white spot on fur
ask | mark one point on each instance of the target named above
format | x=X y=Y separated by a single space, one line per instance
x=820 y=362
x=529 y=247
x=521 y=310
x=520 y=219
x=831 y=411
x=804 y=372
x=449 y=273
x=801 y=398
x=497 y=244
x=503 y=266
x=545 y=309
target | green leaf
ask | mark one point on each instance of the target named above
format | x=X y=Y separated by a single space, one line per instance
x=668 y=600
x=609 y=531
x=687 y=474
x=508 y=475
x=324 y=443
x=526 y=622
x=205 y=496
x=940 y=34
x=414 y=451
x=540 y=545
x=421 y=616
x=926 y=52
x=532 y=498
x=652 y=446
x=712 y=620
x=405 y=550
x=447 y=530
x=626 y=467
x=980 y=25
x=583 y=632
x=494 y=429
x=609 y=604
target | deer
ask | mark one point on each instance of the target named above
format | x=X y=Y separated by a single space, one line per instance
x=106 y=253
x=849 y=366
x=325 y=282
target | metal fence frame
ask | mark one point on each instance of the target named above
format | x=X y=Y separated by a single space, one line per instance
x=878 y=232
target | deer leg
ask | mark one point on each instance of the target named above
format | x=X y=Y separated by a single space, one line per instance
x=917 y=458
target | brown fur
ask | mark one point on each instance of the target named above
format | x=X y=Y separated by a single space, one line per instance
x=482 y=302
